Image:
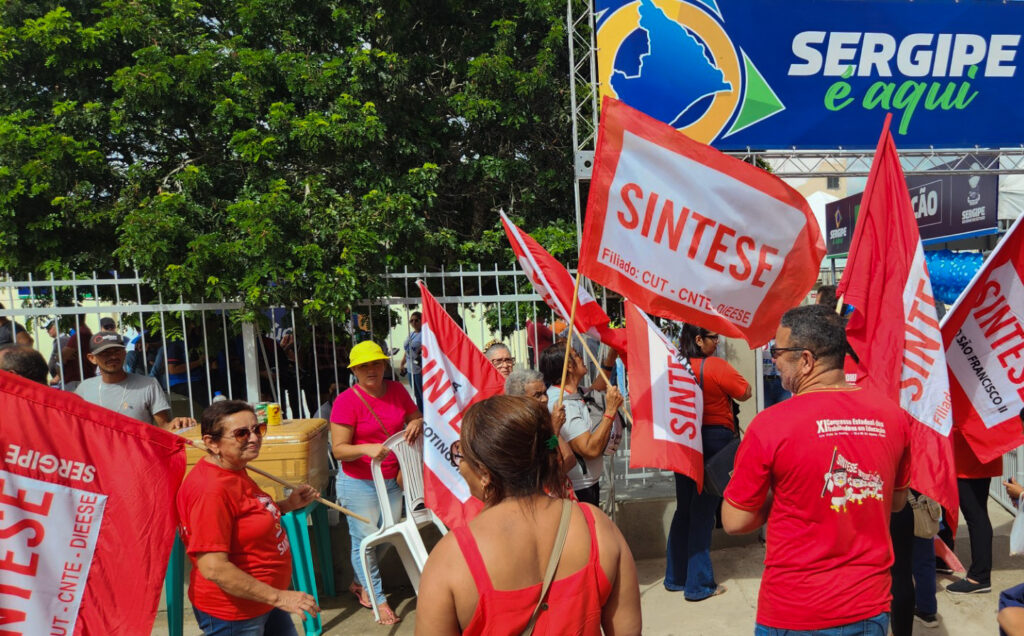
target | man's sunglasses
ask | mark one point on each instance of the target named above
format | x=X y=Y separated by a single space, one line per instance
x=242 y=434
x=775 y=352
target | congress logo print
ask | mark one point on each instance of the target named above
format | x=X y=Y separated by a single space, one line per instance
x=674 y=60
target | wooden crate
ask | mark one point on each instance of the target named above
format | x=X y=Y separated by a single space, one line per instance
x=295 y=451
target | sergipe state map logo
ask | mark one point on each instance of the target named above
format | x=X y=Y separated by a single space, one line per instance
x=673 y=60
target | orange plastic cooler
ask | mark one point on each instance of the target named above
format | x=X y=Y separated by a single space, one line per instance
x=295 y=451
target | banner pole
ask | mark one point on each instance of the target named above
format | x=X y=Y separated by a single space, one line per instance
x=286 y=484
x=600 y=369
x=568 y=342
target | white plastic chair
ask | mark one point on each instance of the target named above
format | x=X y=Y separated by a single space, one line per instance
x=404 y=535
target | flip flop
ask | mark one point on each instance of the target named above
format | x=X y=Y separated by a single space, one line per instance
x=387 y=615
x=358 y=591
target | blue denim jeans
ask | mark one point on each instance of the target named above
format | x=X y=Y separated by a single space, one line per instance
x=874 y=626
x=416 y=382
x=276 y=622
x=688 y=554
x=924 y=575
x=359 y=496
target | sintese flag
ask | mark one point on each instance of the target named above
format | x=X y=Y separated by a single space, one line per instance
x=455 y=375
x=88 y=514
x=552 y=280
x=666 y=401
x=893 y=327
x=983 y=335
x=689 y=233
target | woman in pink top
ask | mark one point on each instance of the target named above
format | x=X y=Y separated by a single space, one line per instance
x=363 y=417
x=486 y=578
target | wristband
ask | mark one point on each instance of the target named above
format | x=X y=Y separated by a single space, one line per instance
x=611 y=417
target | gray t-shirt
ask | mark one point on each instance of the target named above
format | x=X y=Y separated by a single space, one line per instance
x=580 y=419
x=136 y=396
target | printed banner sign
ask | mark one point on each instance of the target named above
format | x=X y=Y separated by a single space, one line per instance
x=983 y=334
x=87 y=503
x=667 y=403
x=741 y=74
x=893 y=327
x=689 y=233
x=946 y=207
x=455 y=375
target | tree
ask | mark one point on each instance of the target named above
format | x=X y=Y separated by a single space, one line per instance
x=277 y=151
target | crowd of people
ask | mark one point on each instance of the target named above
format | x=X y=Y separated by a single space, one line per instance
x=823 y=474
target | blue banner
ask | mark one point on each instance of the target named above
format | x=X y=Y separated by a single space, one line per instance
x=819 y=73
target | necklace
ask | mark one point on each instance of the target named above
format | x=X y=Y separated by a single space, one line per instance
x=120 y=404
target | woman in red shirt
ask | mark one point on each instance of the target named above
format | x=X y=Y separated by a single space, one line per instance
x=241 y=560
x=485 y=578
x=688 y=555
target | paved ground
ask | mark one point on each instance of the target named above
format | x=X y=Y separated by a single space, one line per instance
x=739 y=568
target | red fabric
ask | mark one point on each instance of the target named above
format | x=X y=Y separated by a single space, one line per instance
x=983 y=334
x=392 y=409
x=575 y=601
x=893 y=326
x=720 y=381
x=828 y=559
x=455 y=376
x=225 y=511
x=666 y=401
x=552 y=280
x=538 y=336
x=54 y=442
x=968 y=466
x=692 y=257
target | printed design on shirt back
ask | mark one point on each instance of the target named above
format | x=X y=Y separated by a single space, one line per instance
x=847 y=483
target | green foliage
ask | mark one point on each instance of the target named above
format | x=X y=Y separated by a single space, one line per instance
x=279 y=151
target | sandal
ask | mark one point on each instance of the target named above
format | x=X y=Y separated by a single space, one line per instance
x=387 y=615
x=360 y=594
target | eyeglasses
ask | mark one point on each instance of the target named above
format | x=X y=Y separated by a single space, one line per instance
x=455 y=454
x=499 y=362
x=775 y=352
x=242 y=434
x=711 y=336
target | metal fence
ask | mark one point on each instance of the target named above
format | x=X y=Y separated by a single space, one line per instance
x=196 y=349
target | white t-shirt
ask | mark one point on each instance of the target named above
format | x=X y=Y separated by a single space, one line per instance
x=136 y=396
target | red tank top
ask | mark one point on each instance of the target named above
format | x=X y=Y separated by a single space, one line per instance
x=575 y=602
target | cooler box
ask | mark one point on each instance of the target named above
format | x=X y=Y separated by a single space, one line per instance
x=295 y=451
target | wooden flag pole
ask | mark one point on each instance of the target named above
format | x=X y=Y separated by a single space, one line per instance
x=600 y=369
x=286 y=484
x=568 y=342
x=839 y=305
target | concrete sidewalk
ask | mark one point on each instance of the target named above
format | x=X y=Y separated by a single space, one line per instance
x=738 y=567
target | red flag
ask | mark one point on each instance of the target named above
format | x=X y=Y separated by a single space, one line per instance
x=667 y=403
x=455 y=375
x=893 y=327
x=983 y=334
x=553 y=281
x=87 y=500
x=689 y=233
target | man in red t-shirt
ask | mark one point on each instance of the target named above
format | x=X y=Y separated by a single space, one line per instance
x=825 y=469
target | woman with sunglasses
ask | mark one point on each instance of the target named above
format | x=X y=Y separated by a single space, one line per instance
x=363 y=417
x=486 y=578
x=688 y=555
x=241 y=561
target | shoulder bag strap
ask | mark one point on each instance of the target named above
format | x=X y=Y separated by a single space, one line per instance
x=556 y=554
x=359 y=394
x=700 y=380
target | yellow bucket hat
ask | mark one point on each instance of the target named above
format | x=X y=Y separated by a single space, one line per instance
x=366 y=351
